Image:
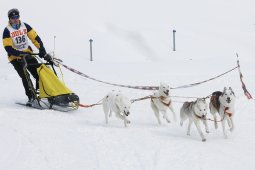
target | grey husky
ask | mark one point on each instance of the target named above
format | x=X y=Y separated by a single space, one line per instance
x=223 y=103
x=196 y=112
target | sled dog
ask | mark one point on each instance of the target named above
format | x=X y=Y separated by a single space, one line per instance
x=223 y=103
x=119 y=104
x=196 y=112
x=161 y=101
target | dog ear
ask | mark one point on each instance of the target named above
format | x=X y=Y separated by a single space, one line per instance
x=230 y=88
x=224 y=90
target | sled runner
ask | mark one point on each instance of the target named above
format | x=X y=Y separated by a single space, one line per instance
x=30 y=106
x=53 y=93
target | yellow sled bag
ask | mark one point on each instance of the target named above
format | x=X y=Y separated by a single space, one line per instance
x=55 y=90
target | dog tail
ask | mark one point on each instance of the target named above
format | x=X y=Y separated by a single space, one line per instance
x=183 y=115
x=214 y=104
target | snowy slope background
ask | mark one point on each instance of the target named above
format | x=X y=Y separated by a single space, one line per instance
x=132 y=45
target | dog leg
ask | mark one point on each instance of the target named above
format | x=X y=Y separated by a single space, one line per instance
x=229 y=120
x=200 y=131
x=106 y=110
x=172 y=110
x=215 y=121
x=126 y=121
x=106 y=117
x=157 y=116
x=188 y=130
x=122 y=117
x=206 y=126
x=181 y=122
x=156 y=112
x=183 y=117
x=231 y=124
x=223 y=127
x=213 y=112
x=110 y=114
x=166 y=117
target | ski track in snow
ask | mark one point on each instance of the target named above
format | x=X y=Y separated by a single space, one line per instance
x=23 y=138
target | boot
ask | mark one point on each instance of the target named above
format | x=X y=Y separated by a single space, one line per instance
x=30 y=102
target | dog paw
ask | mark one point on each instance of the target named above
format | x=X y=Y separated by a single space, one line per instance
x=203 y=140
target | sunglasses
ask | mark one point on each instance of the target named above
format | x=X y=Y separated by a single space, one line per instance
x=15 y=17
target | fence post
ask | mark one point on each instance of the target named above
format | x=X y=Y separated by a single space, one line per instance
x=90 y=42
x=174 y=31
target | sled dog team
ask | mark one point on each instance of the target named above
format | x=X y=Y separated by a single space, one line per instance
x=195 y=111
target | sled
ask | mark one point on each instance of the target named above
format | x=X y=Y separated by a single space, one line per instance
x=53 y=93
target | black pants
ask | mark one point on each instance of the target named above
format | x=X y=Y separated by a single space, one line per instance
x=18 y=65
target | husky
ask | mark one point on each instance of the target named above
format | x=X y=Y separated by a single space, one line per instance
x=161 y=101
x=195 y=111
x=223 y=103
x=119 y=104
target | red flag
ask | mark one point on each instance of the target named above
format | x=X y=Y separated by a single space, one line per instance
x=246 y=93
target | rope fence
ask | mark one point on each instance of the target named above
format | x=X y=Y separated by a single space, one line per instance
x=246 y=93
x=140 y=87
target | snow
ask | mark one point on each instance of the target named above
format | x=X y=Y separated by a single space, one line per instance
x=132 y=44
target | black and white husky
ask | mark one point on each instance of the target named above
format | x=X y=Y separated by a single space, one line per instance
x=119 y=104
x=161 y=102
x=196 y=112
x=223 y=103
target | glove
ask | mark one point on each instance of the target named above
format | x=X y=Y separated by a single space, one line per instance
x=48 y=58
x=42 y=52
x=21 y=61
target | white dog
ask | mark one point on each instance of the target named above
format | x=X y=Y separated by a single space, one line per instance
x=161 y=101
x=118 y=103
x=223 y=103
x=196 y=112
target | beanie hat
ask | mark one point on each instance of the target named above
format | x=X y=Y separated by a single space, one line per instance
x=13 y=12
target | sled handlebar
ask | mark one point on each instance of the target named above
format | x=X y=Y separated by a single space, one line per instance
x=29 y=55
x=22 y=55
x=24 y=59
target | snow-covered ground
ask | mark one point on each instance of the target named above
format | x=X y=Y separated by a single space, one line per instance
x=132 y=45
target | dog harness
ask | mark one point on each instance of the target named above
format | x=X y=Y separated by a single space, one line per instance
x=161 y=99
x=226 y=111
